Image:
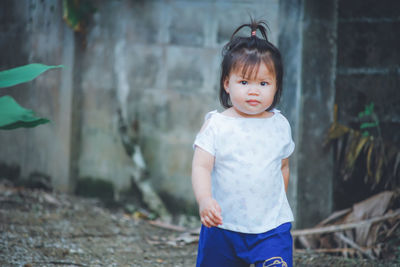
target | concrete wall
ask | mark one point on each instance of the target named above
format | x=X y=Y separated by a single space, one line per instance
x=35 y=32
x=158 y=63
x=152 y=64
x=369 y=63
x=368 y=70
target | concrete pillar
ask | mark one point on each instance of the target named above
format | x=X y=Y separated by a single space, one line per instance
x=318 y=64
x=290 y=46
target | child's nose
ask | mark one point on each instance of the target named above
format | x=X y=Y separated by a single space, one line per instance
x=253 y=90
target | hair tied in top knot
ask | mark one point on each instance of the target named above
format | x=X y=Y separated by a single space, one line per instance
x=245 y=53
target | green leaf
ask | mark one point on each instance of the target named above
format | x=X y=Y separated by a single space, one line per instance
x=369 y=109
x=365 y=125
x=23 y=74
x=12 y=115
x=365 y=134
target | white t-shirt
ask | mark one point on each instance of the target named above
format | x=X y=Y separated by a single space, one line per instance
x=247 y=180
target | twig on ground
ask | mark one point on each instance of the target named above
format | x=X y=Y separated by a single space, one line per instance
x=342 y=227
x=334 y=216
x=325 y=250
x=354 y=245
x=61 y=263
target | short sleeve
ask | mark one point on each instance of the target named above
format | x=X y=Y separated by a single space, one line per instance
x=205 y=139
x=289 y=146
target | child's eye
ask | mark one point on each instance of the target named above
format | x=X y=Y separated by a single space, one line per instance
x=264 y=83
x=243 y=82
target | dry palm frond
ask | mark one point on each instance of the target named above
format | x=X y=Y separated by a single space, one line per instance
x=381 y=159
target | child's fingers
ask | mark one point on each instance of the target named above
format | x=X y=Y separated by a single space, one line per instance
x=215 y=217
x=210 y=213
x=207 y=221
x=217 y=213
x=204 y=222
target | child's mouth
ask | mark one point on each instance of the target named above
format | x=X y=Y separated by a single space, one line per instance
x=253 y=102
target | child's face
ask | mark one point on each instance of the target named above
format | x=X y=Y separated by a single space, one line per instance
x=251 y=96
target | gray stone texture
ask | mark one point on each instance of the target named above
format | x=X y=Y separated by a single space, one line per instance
x=159 y=65
x=188 y=23
x=368 y=63
x=315 y=164
x=290 y=46
x=365 y=44
x=369 y=9
x=228 y=18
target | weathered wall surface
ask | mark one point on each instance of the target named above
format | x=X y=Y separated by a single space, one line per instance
x=157 y=62
x=369 y=63
x=152 y=64
x=318 y=76
x=290 y=45
x=35 y=32
x=368 y=71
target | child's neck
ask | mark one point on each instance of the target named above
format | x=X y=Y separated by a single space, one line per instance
x=233 y=112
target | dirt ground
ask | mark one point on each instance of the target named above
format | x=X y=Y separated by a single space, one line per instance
x=38 y=228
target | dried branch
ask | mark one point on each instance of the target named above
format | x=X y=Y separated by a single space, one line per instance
x=326 y=250
x=354 y=245
x=346 y=226
x=335 y=216
x=61 y=263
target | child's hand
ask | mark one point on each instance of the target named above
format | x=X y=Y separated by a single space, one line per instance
x=210 y=212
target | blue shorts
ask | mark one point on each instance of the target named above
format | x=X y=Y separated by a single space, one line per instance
x=223 y=248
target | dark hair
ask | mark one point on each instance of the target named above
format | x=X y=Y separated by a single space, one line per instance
x=248 y=53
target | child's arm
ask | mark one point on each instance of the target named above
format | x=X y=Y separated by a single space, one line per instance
x=210 y=211
x=285 y=172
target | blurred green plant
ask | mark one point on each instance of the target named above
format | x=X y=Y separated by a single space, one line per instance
x=76 y=13
x=381 y=159
x=12 y=115
x=372 y=120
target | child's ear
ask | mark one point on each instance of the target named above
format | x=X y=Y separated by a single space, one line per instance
x=226 y=85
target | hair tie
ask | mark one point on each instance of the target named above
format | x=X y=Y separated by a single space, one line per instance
x=253 y=33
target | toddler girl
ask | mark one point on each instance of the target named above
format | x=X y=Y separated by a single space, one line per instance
x=240 y=169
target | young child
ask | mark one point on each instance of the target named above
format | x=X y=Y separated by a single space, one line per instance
x=240 y=169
